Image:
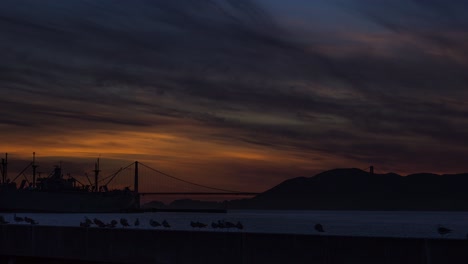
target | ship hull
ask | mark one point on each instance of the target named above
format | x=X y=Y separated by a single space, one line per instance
x=67 y=202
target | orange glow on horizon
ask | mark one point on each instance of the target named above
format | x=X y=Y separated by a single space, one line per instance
x=224 y=165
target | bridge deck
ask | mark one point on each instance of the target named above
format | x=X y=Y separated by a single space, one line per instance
x=199 y=193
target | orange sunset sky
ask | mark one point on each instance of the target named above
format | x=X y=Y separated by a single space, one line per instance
x=240 y=95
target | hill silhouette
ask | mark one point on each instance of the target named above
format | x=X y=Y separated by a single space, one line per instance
x=355 y=189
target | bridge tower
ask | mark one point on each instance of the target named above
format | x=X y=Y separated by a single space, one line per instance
x=96 y=175
x=137 y=195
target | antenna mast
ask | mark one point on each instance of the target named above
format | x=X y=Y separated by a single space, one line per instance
x=96 y=175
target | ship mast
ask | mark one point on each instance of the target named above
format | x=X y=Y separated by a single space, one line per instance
x=34 y=166
x=96 y=175
x=4 y=168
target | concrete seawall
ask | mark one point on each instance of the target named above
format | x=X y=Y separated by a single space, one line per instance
x=165 y=246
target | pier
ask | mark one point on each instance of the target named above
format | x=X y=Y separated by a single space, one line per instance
x=103 y=245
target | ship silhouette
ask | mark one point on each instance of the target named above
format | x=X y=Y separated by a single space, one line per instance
x=57 y=194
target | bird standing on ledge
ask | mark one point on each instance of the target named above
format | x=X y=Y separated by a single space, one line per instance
x=3 y=221
x=124 y=222
x=154 y=223
x=18 y=219
x=443 y=230
x=166 y=224
x=319 y=228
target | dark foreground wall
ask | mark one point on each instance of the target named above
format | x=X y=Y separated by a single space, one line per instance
x=161 y=246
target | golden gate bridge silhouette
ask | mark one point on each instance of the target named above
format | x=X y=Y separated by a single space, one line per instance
x=136 y=176
x=166 y=184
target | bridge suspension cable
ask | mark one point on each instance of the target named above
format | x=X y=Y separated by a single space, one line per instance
x=192 y=183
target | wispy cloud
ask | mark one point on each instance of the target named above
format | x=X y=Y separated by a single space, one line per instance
x=232 y=73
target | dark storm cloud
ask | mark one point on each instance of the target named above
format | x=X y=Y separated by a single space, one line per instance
x=229 y=64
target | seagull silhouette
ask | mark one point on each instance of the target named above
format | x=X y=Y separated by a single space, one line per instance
x=30 y=220
x=319 y=228
x=229 y=224
x=221 y=224
x=112 y=224
x=3 y=221
x=154 y=223
x=18 y=219
x=124 y=222
x=99 y=223
x=88 y=221
x=443 y=230
x=166 y=224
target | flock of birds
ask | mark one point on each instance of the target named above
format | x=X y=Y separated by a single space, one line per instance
x=18 y=220
x=153 y=223
x=123 y=222
x=221 y=224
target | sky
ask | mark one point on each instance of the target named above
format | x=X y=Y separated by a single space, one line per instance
x=236 y=94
